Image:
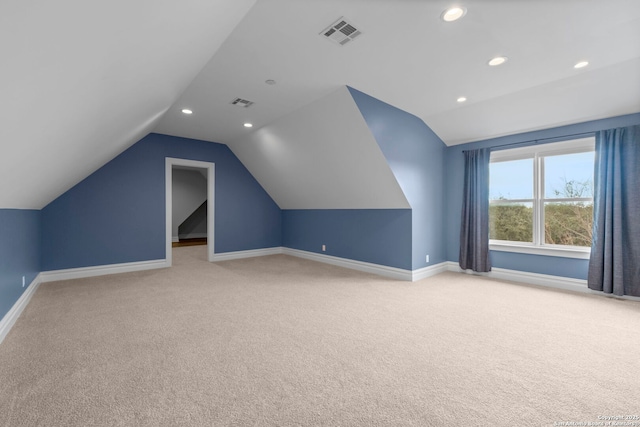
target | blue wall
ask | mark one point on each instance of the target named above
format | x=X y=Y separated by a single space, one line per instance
x=117 y=214
x=566 y=267
x=416 y=157
x=379 y=236
x=19 y=253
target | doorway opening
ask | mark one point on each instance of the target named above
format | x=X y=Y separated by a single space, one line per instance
x=190 y=196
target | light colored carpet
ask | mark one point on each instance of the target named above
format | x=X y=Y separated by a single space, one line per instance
x=281 y=341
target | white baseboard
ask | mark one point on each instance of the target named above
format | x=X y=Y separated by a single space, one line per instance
x=547 y=280
x=381 y=270
x=12 y=315
x=226 y=256
x=101 y=270
x=367 y=267
x=429 y=271
x=175 y=239
x=557 y=282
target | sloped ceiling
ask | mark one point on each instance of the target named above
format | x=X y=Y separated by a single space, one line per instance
x=322 y=156
x=560 y=102
x=83 y=80
x=409 y=57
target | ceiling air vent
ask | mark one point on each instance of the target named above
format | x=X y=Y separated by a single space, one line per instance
x=242 y=102
x=342 y=31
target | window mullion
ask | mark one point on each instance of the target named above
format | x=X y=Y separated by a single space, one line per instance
x=538 y=205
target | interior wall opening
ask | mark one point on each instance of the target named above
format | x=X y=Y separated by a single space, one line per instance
x=189 y=205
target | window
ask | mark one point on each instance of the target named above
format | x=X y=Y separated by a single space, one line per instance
x=541 y=198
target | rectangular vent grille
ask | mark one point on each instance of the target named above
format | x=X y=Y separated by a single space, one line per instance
x=242 y=103
x=342 y=31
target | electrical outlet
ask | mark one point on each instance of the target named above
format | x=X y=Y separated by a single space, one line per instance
x=23 y=281
x=427 y=258
x=324 y=248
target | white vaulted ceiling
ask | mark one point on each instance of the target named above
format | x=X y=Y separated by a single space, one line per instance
x=408 y=57
x=81 y=81
x=322 y=156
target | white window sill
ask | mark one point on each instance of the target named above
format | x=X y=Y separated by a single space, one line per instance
x=558 y=251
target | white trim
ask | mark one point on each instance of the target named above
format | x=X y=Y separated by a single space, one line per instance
x=367 y=267
x=175 y=239
x=567 y=146
x=429 y=271
x=558 y=282
x=226 y=256
x=211 y=190
x=381 y=270
x=538 y=154
x=556 y=251
x=101 y=270
x=16 y=310
x=547 y=280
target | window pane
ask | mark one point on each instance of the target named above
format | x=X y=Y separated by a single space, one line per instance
x=511 y=221
x=568 y=223
x=568 y=175
x=511 y=180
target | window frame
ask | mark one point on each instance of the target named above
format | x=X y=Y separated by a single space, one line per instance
x=538 y=153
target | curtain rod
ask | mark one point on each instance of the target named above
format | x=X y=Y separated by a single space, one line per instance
x=538 y=140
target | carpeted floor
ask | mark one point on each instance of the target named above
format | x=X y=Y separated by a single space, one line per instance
x=281 y=341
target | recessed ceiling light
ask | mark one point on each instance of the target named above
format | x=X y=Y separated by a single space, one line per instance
x=248 y=125
x=581 y=64
x=270 y=82
x=453 y=13
x=498 y=60
x=187 y=111
x=462 y=99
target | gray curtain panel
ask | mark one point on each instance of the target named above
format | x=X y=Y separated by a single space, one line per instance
x=474 y=230
x=614 y=266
